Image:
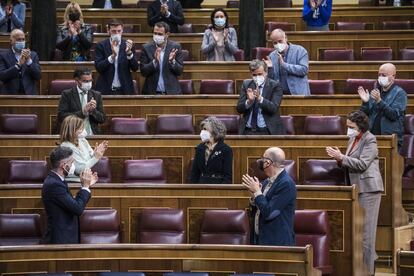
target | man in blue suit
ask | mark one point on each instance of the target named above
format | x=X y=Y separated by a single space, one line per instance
x=273 y=201
x=114 y=61
x=288 y=64
x=19 y=67
x=62 y=209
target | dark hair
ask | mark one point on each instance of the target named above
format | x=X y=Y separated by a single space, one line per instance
x=360 y=119
x=114 y=23
x=214 y=13
x=58 y=154
x=164 y=25
x=79 y=72
x=13 y=2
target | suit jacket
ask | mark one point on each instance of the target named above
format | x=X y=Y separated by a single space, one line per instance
x=392 y=108
x=17 y=19
x=65 y=43
x=10 y=75
x=362 y=164
x=191 y=4
x=209 y=44
x=176 y=17
x=277 y=212
x=99 y=4
x=272 y=98
x=296 y=66
x=219 y=167
x=70 y=104
x=170 y=71
x=62 y=210
x=106 y=70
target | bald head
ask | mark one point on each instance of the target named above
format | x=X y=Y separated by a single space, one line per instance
x=278 y=35
x=277 y=155
x=388 y=68
x=16 y=36
x=387 y=71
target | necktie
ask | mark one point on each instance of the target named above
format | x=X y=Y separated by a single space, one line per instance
x=9 y=25
x=255 y=112
x=83 y=102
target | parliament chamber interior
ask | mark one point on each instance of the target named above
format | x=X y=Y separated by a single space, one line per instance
x=145 y=215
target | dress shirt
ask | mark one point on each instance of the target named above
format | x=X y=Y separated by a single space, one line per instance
x=161 y=85
x=260 y=119
x=283 y=73
x=108 y=4
x=115 y=83
x=83 y=97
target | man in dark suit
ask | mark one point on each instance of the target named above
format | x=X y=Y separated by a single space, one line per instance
x=273 y=201
x=61 y=208
x=83 y=102
x=161 y=63
x=168 y=11
x=19 y=67
x=259 y=103
x=114 y=61
x=107 y=4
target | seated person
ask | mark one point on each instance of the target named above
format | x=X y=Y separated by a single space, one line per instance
x=19 y=67
x=213 y=161
x=74 y=38
x=168 y=11
x=72 y=135
x=107 y=4
x=161 y=63
x=82 y=101
x=219 y=40
x=12 y=15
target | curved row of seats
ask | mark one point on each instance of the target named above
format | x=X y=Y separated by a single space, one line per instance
x=167 y=226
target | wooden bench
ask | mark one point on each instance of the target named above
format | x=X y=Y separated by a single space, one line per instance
x=341 y=203
x=405 y=263
x=156 y=259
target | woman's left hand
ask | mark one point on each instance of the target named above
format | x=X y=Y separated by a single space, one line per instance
x=335 y=153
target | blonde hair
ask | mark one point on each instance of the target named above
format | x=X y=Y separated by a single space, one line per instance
x=70 y=125
x=72 y=7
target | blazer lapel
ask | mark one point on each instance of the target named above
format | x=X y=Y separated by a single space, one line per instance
x=266 y=90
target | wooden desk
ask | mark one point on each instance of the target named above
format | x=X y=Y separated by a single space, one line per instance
x=156 y=259
x=177 y=151
x=198 y=106
x=345 y=215
x=405 y=263
x=373 y=16
x=337 y=71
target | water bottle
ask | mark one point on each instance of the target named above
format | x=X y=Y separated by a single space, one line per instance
x=397 y=3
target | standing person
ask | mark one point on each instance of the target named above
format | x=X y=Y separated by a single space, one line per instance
x=83 y=102
x=361 y=166
x=62 y=210
x=161 y=63
x=213 y=160
x=259 y=103
x=316 y=14
x=168 y=11
x=19 y=67
x=12 y=15
x=273 y=201
x=74 y=37
x=114 y=61
x=219 y=40
x=288 y=64
x=107 y=4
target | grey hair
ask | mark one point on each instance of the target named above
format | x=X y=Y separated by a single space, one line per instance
x=218 y=129
x=256 y=64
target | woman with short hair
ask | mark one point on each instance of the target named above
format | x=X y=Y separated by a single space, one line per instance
x=213 y=161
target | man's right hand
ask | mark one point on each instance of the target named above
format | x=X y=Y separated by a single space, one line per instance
x=250 y=95
x=158 y=54
x=22 y=59
x=268 y=61
x=363 y=94
x=88 y=178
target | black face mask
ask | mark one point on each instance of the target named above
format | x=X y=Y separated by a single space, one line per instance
x=74 y=16
x=261 y=163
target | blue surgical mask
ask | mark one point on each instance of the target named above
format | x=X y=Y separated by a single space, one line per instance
x=19 y=45
x=220 y=22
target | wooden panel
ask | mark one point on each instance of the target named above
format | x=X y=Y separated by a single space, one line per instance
x=405 y=263
x=82 y=259
x=345 y=216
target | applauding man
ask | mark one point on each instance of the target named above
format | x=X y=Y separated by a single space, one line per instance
x=114 y=61
x=168 y=11
x=62 y=210
x=19 y=67
x=161 y=63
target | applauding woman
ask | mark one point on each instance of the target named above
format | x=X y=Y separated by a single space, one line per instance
x=220 y=40
x=74 y=37
x=213 y=161
x=72 y=135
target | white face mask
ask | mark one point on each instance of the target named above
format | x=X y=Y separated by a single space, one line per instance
x=352 y=133
x=83 y=134
x=205 y=136
x=86 y=86
x=220 y=22
x=116 y=37
x=71 y=170
x=158 y=39
x=259 y=80
x=383 y=81
x=280 y=47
